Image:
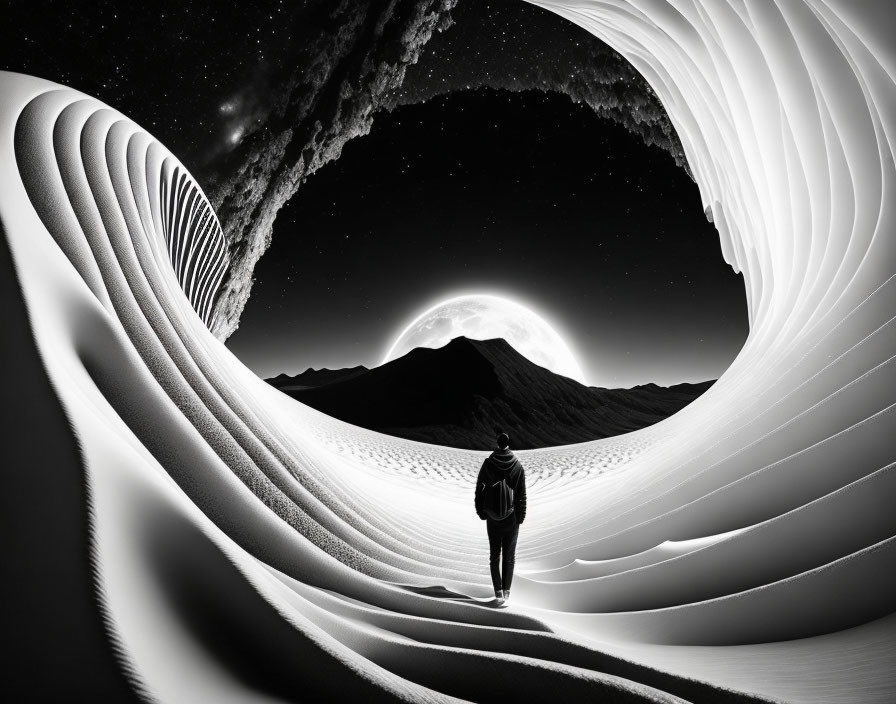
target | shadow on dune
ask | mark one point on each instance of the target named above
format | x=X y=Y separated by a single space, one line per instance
x=439 y=592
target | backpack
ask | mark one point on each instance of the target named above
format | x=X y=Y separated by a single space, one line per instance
x=497 y=500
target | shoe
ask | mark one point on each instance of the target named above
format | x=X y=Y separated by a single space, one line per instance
x=506 y=597
x=499 y=598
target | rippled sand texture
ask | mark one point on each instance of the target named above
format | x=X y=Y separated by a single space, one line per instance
x=244 y=547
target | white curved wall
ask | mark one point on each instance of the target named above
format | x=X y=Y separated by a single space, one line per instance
x=745 y=544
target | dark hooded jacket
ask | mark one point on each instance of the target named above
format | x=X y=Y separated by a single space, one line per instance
x=499 y=465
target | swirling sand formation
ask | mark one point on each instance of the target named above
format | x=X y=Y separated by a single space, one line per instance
x=235 y=545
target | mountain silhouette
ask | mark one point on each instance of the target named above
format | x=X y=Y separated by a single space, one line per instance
x=463 y=393
x=311 y=378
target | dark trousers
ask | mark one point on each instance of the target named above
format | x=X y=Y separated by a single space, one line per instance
x=502 y=537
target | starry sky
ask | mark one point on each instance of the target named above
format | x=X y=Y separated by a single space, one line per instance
x=192 y=73
x=523 y=194
x=519 y=192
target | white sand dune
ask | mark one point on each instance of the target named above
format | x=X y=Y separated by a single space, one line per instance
x=183 y=530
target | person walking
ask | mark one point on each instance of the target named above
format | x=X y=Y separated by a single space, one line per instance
x=501 y=503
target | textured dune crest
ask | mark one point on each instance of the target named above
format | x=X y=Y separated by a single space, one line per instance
x=246 y=547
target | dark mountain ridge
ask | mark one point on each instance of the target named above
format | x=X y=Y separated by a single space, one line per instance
x=311 y=378
x=461 y=394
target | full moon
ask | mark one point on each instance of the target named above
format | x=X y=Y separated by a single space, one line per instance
x=484 y=317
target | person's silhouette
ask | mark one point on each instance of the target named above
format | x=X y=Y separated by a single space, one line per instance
x=501 y=503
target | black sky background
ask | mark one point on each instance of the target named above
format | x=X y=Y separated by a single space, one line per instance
x=173 y=67
x=526 y=194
